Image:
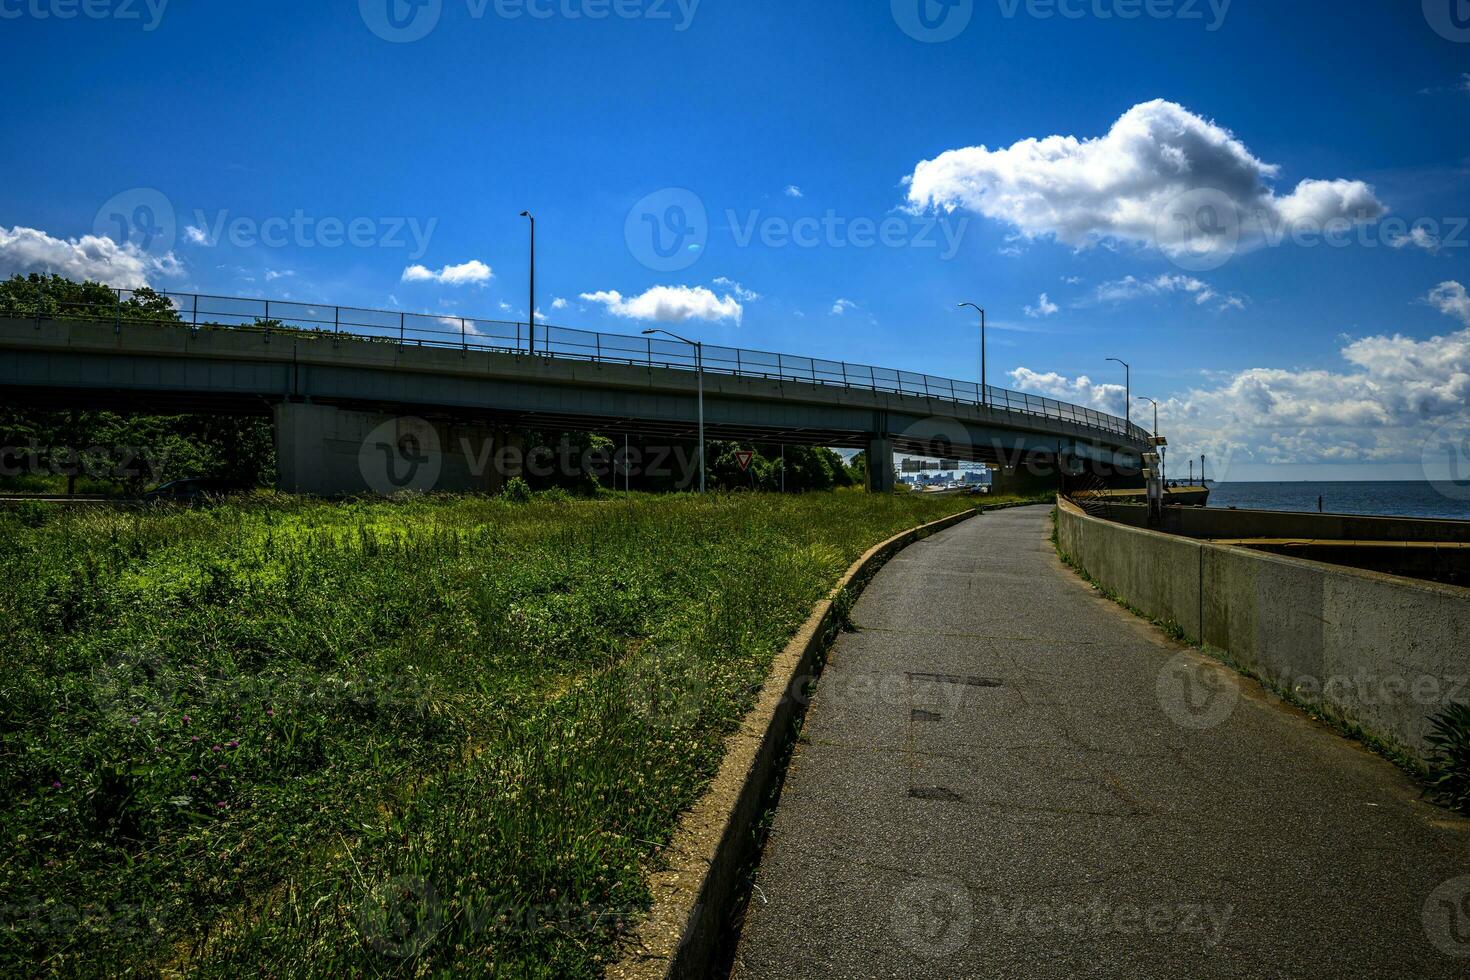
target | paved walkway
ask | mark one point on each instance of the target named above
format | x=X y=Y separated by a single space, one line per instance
x=1067 y=793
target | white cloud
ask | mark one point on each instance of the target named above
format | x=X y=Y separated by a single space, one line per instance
x=1044 y=307
x=93 y=258
x=1419 y=237
x=271 y=275
x=741 y=293
x=1130 y=287
x=1124 y=186
x=197 y=236
x=793 y=191
x=1079 y=391
x=467 y=273
x=1451 y=300
x=842 y=306
x=670 y=304
x=1382 y=406
x=559 y=303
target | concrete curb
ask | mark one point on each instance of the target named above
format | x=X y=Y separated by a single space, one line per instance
x=693 y=896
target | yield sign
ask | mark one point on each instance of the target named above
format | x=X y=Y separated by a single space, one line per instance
x=744 y=458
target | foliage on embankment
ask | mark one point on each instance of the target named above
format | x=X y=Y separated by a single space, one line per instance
x=385 y=738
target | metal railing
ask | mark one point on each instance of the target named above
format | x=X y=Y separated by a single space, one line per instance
x=199 y=310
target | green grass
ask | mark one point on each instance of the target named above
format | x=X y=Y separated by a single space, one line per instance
x=393 y=739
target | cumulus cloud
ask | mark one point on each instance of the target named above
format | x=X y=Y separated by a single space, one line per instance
x=94 y=258
x=1081 y=390
x=1382 y=405
x=473 y=272
x=670 y=304
x=1450 y=299
x=841 y=306
x=195 y=235
x=1419 y=237
x=1161 y=177
x=741 y=293
x=1044 y=307
x=793 y=191
x=559 y=303
x=1130 y=287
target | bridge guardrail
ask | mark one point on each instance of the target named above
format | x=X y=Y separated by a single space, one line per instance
x=504 y=336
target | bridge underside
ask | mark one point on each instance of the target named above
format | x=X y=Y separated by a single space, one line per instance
x=166 y=369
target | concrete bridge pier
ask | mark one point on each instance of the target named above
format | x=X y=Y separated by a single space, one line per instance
x=333 y=452
x=881 y=478
x=1021 y=482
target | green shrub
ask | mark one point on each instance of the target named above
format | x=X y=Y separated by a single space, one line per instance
x=1449 y=764
x=517 y=491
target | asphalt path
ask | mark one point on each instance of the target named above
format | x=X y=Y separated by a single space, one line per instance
x=1004 y=774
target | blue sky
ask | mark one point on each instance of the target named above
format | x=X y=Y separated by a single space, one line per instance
x=1293 y=359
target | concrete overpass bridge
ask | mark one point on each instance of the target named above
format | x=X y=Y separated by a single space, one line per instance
x=333 y=377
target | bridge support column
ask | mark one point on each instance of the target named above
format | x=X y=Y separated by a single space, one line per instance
x=881 y=478
x=1018 y=481
x=332 y=452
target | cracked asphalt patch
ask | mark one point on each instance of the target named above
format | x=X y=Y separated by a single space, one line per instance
x=1090 y=813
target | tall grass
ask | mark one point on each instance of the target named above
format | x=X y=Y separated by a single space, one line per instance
x=387 y=738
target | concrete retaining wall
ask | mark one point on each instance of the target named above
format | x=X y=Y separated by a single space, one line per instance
x=1203 y=522
x=1386 y=653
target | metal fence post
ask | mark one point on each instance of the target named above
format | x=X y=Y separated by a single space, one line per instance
x=117 y=314
x=400 y=329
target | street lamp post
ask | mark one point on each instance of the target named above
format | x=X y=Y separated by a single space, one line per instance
x=1145 y=398
x=699 y=373
x=984 y=398
x=1162 y=474
x=531 y=310
x=1128 y=391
